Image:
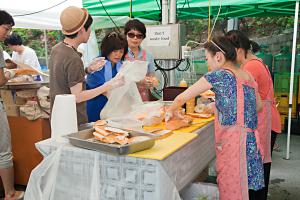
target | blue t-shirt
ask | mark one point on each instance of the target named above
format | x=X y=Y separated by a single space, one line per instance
x=94 y=80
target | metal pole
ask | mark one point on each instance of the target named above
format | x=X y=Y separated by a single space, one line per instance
x=46 y=47
x=164 y=12
x=292 y=79
x=172 y=20
x=173 y=12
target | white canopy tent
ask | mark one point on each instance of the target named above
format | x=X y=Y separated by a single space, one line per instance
x=44 y=14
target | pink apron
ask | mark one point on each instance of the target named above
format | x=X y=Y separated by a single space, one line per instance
x=265 y=119
x=230 y=144
x=144 y=91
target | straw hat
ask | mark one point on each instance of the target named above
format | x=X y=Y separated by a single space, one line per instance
x=73 y=19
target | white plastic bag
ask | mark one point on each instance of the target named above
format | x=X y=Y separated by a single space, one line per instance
x=42 y=179
x=200 y=191
x=146 y=114
x=120 y=99
x=45 y=182
x=149 y=113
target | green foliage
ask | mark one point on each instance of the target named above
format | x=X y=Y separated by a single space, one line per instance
x=196 y=30
x=264 y=26
x=34 y=38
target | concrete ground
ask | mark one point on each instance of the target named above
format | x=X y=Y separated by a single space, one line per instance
x=285 y=174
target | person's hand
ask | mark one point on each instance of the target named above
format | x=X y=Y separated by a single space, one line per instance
x=173 y=114
x=116 y=82
x=151 y=81
x=96 y=65
x=9 y=74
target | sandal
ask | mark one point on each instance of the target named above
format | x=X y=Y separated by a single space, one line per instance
x=18 y=195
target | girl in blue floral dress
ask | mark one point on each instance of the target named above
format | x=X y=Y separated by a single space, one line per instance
x=239 y=161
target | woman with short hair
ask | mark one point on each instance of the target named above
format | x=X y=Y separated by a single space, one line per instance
x=135 y=32
x=113 y=48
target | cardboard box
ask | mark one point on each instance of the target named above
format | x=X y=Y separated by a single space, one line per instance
x=7 y=97
x=28 y=93
x=20 y=101
x=12 y=110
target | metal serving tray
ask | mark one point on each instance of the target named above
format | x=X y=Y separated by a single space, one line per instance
x=85 y=139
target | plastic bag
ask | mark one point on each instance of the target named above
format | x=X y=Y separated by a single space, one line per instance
x=200 y=191
x=43 y=183
x=146 y=114
x=32 y=111
x=150 y=113
x=42 y=179
x=120 y=99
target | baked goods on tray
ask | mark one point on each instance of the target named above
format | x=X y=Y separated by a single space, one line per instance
x=174 y=124
x=111 y=135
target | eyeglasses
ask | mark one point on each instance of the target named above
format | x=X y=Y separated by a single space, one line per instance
x=138 y=36
x=7 y=28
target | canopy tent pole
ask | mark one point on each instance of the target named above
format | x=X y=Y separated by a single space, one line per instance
x=46 y=46
x=164 y=12
x=172 y=19
x=292 y=79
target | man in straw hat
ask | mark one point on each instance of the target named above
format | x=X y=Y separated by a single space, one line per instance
x=6 y=157
x=67 y=74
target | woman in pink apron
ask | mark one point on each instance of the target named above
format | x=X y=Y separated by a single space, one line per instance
x=239 y=162
x=135 y=31
x=269 y=119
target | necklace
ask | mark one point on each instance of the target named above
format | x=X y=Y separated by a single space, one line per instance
x=69 y=46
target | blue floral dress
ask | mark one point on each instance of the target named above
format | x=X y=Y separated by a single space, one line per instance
x=224 y=86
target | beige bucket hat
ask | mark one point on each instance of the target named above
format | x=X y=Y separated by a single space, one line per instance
x=72 y=19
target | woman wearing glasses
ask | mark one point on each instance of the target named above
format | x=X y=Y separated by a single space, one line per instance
x=113 y=49
x=269 y=119
x=239 y=161
x=135 y=32
x=6 y=157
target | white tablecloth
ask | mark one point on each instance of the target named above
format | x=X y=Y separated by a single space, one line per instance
x=82 y=172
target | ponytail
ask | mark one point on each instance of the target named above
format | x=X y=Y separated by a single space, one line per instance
x=254 y=47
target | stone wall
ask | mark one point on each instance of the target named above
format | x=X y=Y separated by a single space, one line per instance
x=276 y=41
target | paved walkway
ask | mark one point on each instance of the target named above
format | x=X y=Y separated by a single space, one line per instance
x=285 y=174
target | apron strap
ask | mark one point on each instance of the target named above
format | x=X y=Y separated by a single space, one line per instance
x=239 y=99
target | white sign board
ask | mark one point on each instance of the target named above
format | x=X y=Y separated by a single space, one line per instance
x=158 y=36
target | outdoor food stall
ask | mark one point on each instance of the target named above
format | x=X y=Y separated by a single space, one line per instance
x=156 y=173
x=132 y=153
x=25 y=101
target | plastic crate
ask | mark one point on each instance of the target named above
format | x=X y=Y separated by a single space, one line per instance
x=282 y=120
x=282 y=82
x=299 y=90
x=283 y=107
